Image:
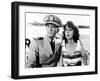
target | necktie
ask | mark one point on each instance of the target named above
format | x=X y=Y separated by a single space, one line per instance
x=52 y=45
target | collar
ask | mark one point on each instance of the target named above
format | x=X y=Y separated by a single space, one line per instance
x=50 y=39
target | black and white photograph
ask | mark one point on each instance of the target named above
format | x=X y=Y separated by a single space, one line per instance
x=54 y=40
x=57 y=41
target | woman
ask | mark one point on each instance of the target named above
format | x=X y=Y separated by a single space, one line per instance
x=73 y=53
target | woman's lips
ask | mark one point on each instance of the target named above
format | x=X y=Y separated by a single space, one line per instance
x=68 y=35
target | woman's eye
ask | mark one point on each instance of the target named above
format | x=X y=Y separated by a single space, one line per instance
x=65 y=29
x=70 y=29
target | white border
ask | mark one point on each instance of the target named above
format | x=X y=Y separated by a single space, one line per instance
x=38 y=71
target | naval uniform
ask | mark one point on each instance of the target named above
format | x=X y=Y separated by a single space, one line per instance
x=42 y=54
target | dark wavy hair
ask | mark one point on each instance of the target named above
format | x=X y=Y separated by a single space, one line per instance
x=70 y=24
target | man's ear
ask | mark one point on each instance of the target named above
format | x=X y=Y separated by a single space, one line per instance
x=57 y=30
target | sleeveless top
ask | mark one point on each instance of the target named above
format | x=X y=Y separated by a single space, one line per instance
x=74 y=59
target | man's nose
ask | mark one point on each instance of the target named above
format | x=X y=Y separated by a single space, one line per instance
x=50 y=28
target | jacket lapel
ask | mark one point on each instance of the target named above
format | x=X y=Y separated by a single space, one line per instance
x=57 y=45
x=47 y=45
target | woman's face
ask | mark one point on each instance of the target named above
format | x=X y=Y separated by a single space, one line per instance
x=69 y=32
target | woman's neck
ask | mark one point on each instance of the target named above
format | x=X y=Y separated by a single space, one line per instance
x=70 y=41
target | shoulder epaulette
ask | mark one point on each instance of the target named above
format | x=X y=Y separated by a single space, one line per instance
x=38 y=38
x=39 y=41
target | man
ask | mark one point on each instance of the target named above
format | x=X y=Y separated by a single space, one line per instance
x=45 y=51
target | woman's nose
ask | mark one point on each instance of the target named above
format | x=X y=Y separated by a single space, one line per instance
x=67 y=31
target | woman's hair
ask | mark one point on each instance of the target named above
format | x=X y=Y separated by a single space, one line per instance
x=74 y=28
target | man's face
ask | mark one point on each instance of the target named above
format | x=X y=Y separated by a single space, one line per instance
x=51 y=30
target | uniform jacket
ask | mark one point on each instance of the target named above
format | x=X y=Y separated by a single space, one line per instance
x=41 y=47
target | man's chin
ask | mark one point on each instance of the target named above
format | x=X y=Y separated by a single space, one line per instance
x=50 y=35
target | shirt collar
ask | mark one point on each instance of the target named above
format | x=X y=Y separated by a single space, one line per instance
x=50 y=39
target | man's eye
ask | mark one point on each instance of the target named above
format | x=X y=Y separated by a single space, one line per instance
x=54 y=27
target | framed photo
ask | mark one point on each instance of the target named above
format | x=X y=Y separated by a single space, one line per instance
x=73 y=30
